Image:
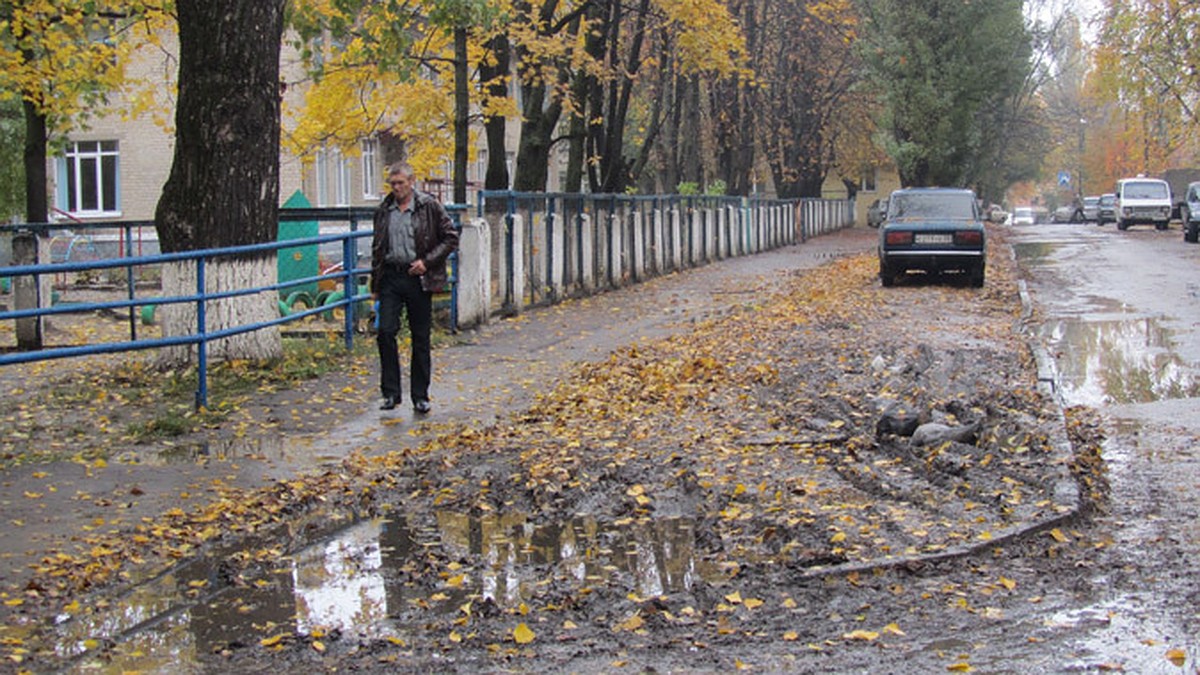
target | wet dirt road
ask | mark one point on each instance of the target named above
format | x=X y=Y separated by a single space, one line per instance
x=1120 y=317
x=1114 y=591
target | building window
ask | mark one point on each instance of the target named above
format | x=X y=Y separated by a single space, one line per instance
x=341 y=178
x=89 y=179
x=868 y=180
x=370 y=168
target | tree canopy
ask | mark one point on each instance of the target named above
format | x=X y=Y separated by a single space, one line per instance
x=944 y=69
x=61 y=59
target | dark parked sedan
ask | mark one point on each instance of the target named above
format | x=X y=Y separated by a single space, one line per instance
x=876 y=212
x=932 y=230
x=1106 y=211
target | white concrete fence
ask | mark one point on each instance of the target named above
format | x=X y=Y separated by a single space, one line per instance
x=521 y=249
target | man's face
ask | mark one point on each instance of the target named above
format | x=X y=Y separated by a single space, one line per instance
x=401 y=187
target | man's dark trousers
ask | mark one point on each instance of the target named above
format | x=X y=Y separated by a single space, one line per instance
x=400 y=290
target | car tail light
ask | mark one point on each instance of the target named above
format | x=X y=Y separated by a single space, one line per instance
x=968 y=238
x=898 y=238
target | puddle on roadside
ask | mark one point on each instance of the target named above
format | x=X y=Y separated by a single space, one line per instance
x=1127 y=632
x=1117 y=361
x=294 y=452
x=357 y=582
x=1035 y=251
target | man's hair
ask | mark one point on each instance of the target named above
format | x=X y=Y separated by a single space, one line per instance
x=402 y=167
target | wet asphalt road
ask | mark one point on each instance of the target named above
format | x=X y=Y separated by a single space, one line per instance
x=1120 y=316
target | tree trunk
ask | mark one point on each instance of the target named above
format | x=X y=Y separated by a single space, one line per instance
x=542 y=108
x=533 y=151
x=28 y=291
x=495 y=77
x=577 y=135
x=462 y=108
x=223 y=189
x=691 y=169
x=37 y=206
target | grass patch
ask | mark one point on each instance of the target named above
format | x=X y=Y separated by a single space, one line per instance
x=87 y=408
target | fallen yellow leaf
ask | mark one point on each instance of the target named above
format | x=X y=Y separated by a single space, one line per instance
x=271 y=641
x=632 y=623
x=523 y=635
x=1177 y=657
x=860 y=634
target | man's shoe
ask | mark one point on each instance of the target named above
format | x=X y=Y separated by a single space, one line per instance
x=390 y=403
x=422 y=407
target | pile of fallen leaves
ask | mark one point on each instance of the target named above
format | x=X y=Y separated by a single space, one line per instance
x=762 y=426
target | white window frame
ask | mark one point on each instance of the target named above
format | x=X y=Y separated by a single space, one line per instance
x=321 y=176
x=371 y=182
x=341 y=178
x=102 y=160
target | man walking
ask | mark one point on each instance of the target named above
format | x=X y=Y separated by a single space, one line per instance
x=413 y=237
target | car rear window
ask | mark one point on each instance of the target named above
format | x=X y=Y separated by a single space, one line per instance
x=932 y=205
x=1145 y=190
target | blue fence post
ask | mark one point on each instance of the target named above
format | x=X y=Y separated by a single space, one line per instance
x=130 y=281
x=510 y=293
x=350 y=288
x=456 y=212
x=202 y=345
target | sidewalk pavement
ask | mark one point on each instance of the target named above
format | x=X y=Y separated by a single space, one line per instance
x=495 y=371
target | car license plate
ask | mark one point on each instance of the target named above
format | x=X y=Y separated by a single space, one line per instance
x=933 y=238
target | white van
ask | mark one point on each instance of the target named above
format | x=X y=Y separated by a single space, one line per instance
x=1145 y=201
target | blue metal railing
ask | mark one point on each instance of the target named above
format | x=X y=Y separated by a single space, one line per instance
x=346 y=277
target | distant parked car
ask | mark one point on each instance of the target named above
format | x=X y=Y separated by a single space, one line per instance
x=1091 y=209
x=932 y=230
x=1023 y=215
x=1067 y=213
x=1107 y=211
x=1143 y=200
x=876 y=211
x=1189 y=213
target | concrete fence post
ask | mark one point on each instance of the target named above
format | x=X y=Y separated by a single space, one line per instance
x=676 y=244
x=659 y=243
x=558 y=252
x=516 y=292
x=30 y=292
x=474 y=273
x=639 y=247
x=587 y=251
x=616 y=227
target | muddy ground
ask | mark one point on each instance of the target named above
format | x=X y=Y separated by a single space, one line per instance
x=744 y=491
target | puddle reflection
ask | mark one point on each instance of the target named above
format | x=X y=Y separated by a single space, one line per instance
x=1126 y=361
x=373 y=580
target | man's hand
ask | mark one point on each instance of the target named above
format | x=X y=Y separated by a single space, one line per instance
x=417 y=268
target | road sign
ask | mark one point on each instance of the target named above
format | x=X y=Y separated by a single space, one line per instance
x=1064 y=178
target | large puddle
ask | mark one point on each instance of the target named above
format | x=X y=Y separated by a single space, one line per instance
x=362 y=581
x=1117 y=361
